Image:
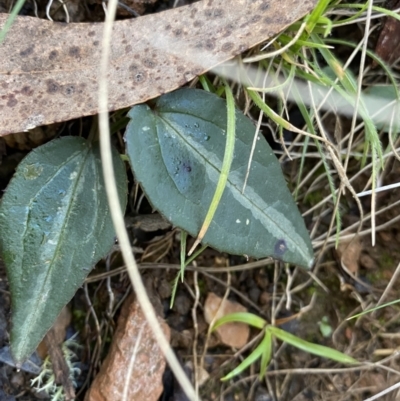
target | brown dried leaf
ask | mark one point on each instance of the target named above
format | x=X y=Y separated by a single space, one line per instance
x=349 y=254
x=232 y=334
x=145 y=382
x=49 y=70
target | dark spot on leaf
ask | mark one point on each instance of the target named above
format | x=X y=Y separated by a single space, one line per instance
x=167 y=27
x=149 y=63
x=136 y=74
x=197 y=71
x=52 y=86
x=216 y=13
x=255 y=18
x=188 y=75
x=69 y=90
x=27 y=91
x=26 y=67
x=179 y=69
x=12 y=101
x=264 y=6
x=268 y=20
x=209 y=44
x=139 y=77
x=91 y=33
x=27 y=51
x=74 y=51
x=53 y=54
x=96 y=43
x=186 y=167
x=178 y=32
x=280 y=248
x=124 y=42
x=227 y=46
x=4 y=85
x=128 y=48
x=197 y=24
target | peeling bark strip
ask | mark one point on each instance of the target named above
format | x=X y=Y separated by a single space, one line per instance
x=49 y=71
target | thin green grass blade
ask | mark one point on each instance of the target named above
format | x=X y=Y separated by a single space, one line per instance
x=350 y=86
x=277 y=119
x=388 y=71
x=10 y=19
x=315 y=349
x=206 y=84
x=288 y=80
x=285 y=39
x=301 y=167
x=183 y=253
x=310 y=126
x=241 y=317
x=246 y=363
x=226 y=165
x=388 y=13
x=266 y=355
x=373 y=309
x=316 y=15
x=181 y=272
x=174 y=288
x=352 y=18
x=195 y=255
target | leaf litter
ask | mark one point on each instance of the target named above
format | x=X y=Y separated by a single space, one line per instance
x=49 y=70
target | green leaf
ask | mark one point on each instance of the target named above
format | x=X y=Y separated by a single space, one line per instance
x=257 y=353
x=55 y=224
x=266 y=355
x=315 y=349
x=176 y=150
x=241 y=317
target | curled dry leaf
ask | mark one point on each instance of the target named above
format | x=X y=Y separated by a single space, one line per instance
x=49 y=71
x=145 y=382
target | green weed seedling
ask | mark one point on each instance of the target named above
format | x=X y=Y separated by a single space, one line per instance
x=264 y=348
